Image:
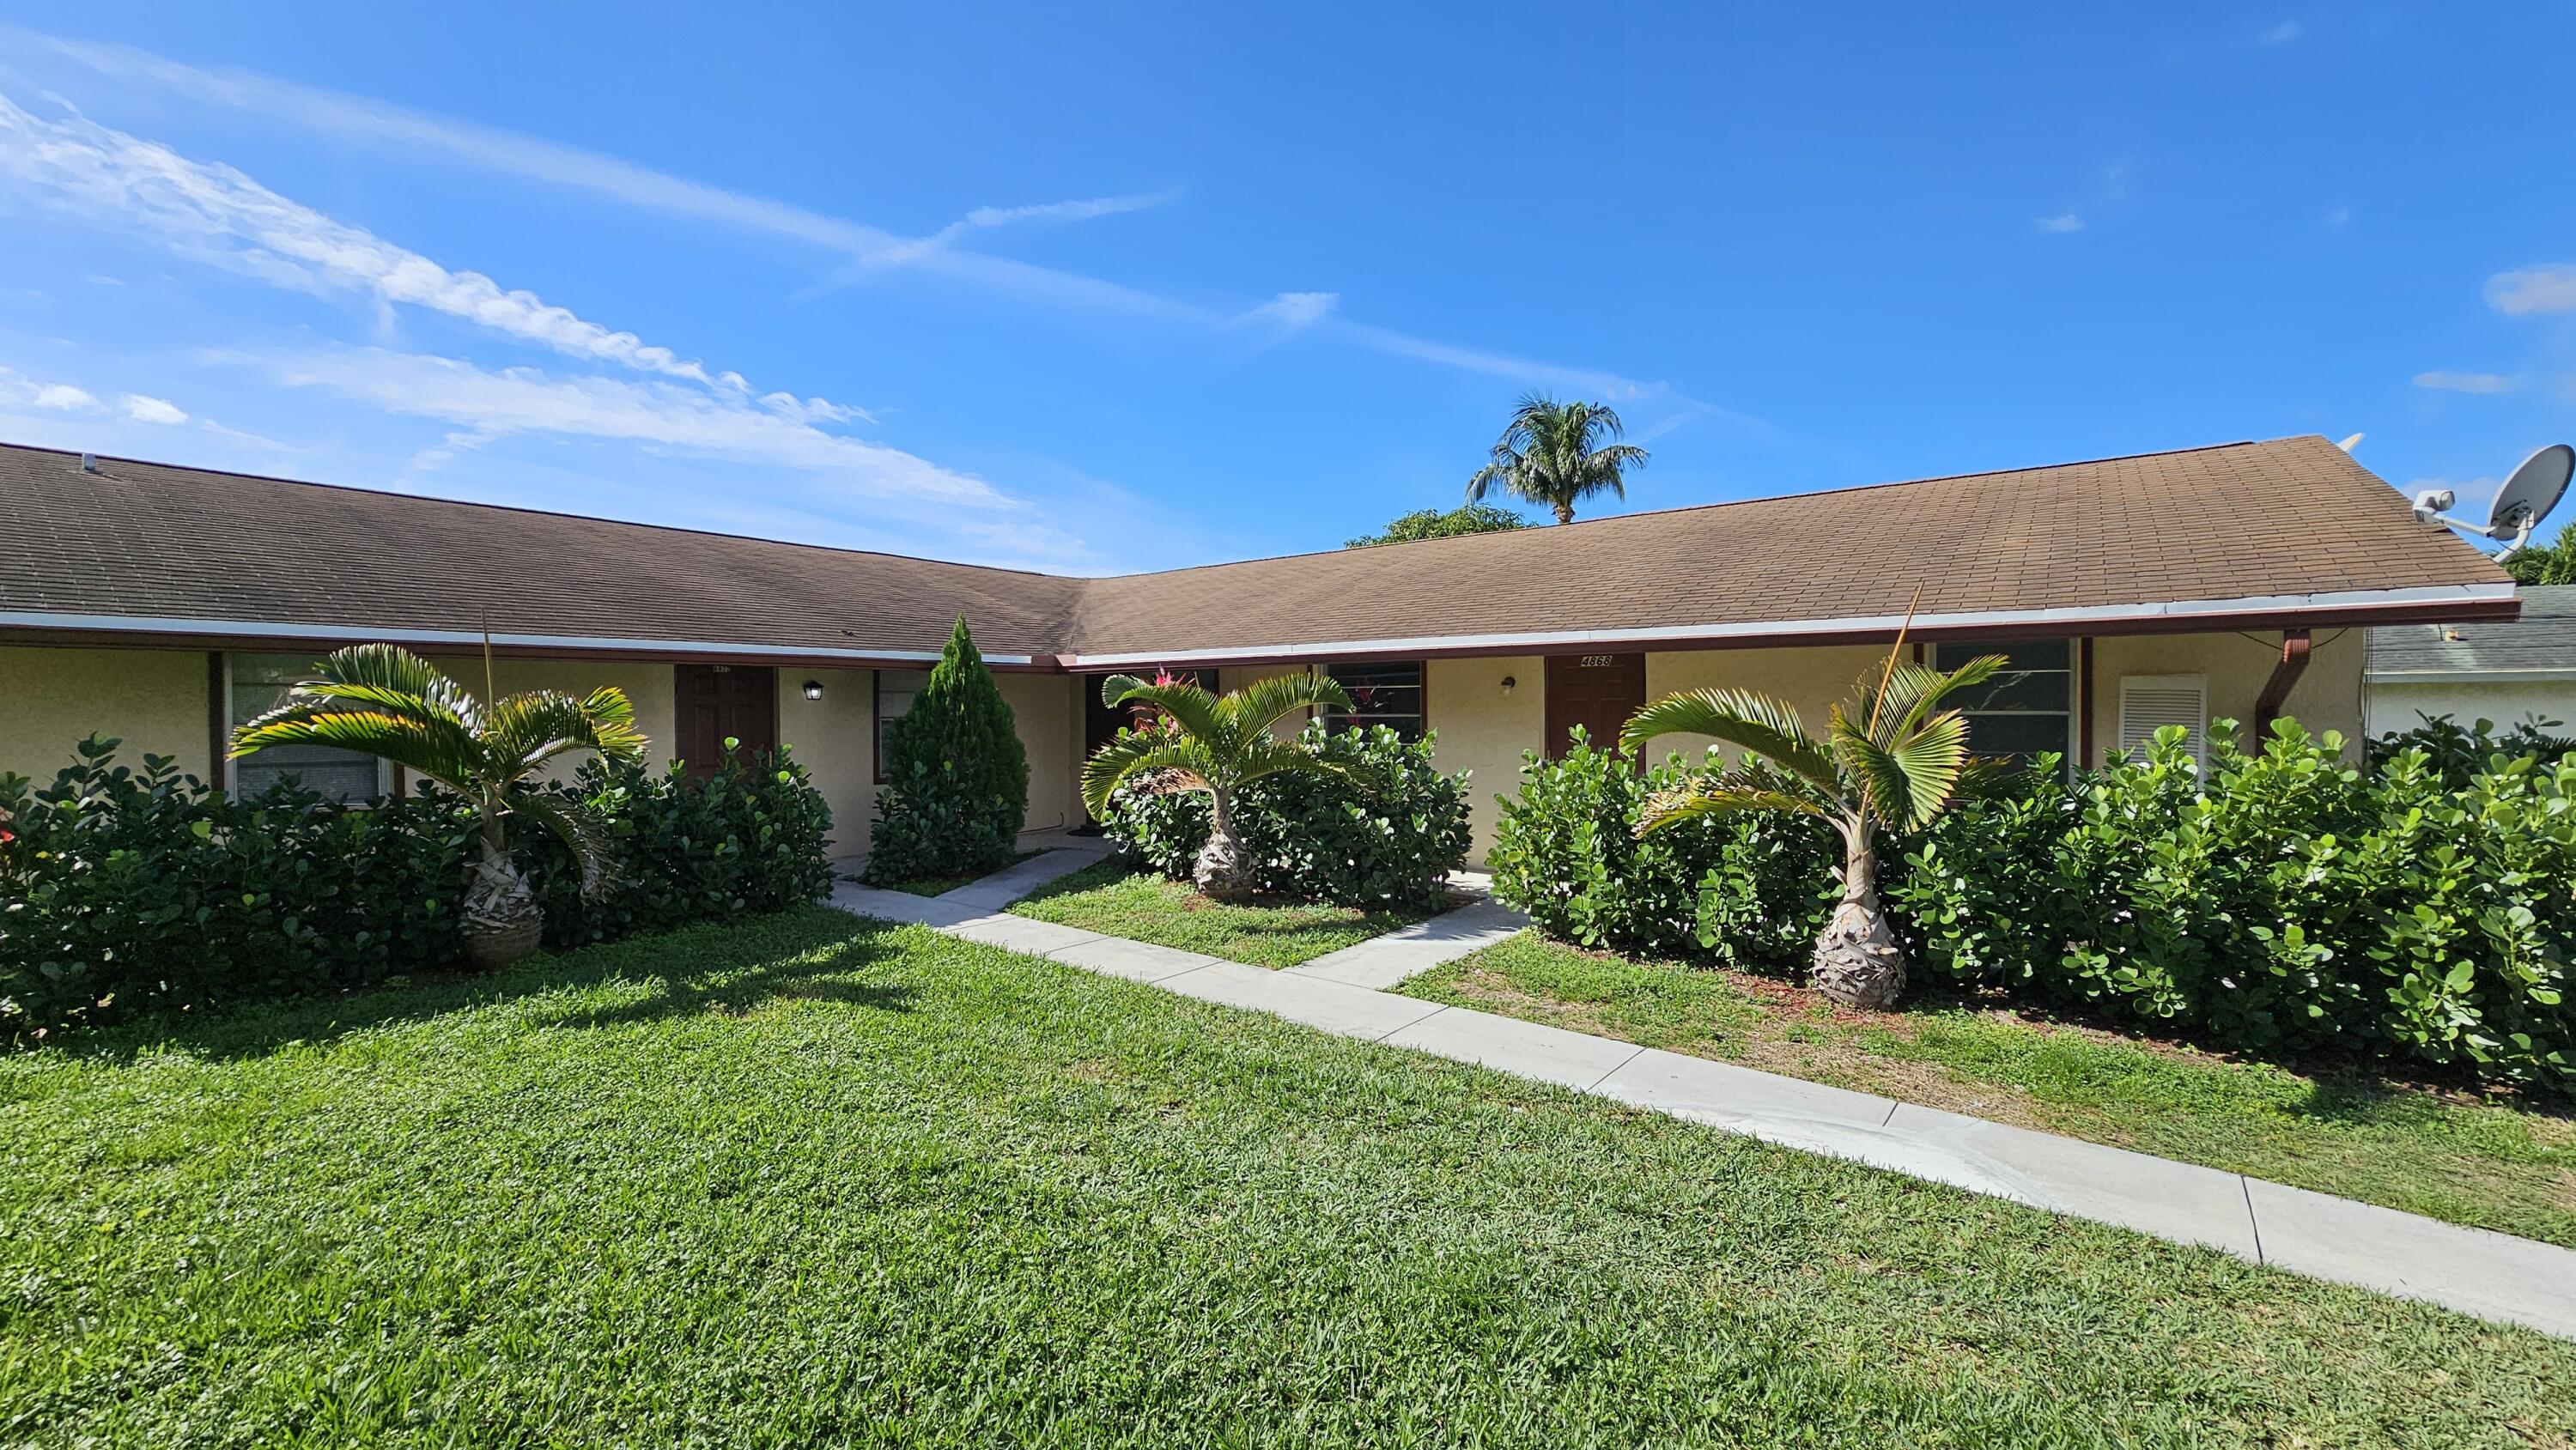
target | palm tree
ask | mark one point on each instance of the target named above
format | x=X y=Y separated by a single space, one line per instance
x=1892 y=759
x=392 y=704
x=1210 y=742
x=1553 y=454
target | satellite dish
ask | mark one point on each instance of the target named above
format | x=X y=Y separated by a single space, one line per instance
x=2529 y=493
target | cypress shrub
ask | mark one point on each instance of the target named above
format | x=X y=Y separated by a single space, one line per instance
x=957 y=788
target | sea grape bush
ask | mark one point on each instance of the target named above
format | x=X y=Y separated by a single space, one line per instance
x=2280 y=899
x=124 y=890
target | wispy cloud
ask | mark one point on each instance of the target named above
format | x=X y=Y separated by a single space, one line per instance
x=1294 y=311
x=2449 y=382
x=145 y=409
x=346 y=117
x=988 y=218
x=489 y=404
x=62 y=397
x=2281 y=34
x=2527 y=290
x=2065 y=221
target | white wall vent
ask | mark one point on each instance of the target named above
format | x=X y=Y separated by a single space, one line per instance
x=2148 y=703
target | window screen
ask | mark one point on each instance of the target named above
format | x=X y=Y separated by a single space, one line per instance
x=261 y=683
x=2026 y=710
x=1381 y=694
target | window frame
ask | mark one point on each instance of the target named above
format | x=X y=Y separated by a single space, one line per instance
x=1420 y=715
x=2070 y=752
x=877 y=719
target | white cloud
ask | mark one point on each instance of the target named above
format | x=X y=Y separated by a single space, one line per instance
x=1291 y=311
x=219 y=215
x=2281 y=34
x=2338 y=217
x=985 y=218
x=490 y=404
x=2062 y=222
x=143 y=409
x=62 y=397
x=2526 y=290
x=344 y=117
x=2449 y=382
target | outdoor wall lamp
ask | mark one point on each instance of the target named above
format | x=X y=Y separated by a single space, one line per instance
x=1508 y=682
x=813 y=689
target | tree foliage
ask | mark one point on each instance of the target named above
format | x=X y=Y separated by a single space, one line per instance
x=1471 y=518
x=957 y=776
x=1557 y=455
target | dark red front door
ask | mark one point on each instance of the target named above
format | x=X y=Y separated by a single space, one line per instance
x=1597 y=692
x=722 y=702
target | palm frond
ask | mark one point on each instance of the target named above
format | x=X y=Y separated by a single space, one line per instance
x=394 y=677
x=1259 y=705
x=1189 y=704
x=1931 y=759
x=585 y=833
x=1133 y=754
x=524 y=731
x=417 y=745
x=1265 y=757
x=1767 y=727
x=1723 y=795
x=1914 y=692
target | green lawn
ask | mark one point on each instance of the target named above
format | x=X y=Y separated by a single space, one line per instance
x=811 y=1180
x=1117 y=899
x=2475 y=1162
x=942 y=885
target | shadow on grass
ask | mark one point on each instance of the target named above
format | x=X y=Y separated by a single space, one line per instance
x=713 y=966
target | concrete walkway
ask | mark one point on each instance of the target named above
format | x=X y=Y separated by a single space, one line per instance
x=2491 y=1275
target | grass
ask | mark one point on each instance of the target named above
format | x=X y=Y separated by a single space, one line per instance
x=811 y=1180
x=1117 y=899
x=942 y=885
x=2487 y=1163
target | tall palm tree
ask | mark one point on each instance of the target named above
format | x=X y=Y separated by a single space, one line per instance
x=392 y=704
x=1893 y=758
x=1555 y=454
x=1210 y=742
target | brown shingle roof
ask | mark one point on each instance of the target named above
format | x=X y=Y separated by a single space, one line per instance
x=2292 y=517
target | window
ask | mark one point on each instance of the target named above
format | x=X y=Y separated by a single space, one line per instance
x=260 y=683
x=1381 y=694
x=895 y=692
x=2026 y=710
x=2148 y=703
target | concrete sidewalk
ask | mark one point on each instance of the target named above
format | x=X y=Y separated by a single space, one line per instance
x=2475 y=1271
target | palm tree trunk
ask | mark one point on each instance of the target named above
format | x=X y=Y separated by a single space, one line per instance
x=1564 y=512
x=1858 y=963
x=502 y=918
x=1223 y=870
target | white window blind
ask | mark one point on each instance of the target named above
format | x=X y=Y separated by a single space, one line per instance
x=2148 y=703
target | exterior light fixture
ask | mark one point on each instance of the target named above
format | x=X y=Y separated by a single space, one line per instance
x=1508 y=683
x=813 y=689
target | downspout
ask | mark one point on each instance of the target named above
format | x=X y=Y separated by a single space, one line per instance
x=2285 y=676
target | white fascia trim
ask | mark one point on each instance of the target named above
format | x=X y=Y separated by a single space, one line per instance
x=2470 y=677
x=571 y=644
x=2180 y=612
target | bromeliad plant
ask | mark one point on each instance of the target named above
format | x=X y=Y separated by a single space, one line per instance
x=390 y=703
x=1892 y=758
x=1213 y=743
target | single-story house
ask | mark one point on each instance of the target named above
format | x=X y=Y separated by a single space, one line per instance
x=2503 y=671
x=165 y=604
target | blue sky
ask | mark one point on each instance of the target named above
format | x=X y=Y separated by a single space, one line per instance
x=1152 y=286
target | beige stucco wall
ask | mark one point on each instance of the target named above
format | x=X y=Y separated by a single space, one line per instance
x=1047 y=713
x=154 y=700
x=1811 y=679
x=2235 y=667
x=834 y=739
x=1476 y=726
x=2506 y=703
x=650 y=688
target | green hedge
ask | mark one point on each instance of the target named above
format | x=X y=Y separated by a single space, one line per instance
x=2280 y=900
x=1389 y=834
x=124 y=890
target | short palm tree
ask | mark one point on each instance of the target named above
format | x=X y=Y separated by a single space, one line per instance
x=1210 y=742
x=1892 y=758
x=1558 y=454
x=392 y=704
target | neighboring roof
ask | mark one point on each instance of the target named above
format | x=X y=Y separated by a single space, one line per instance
x=2540 y=645
x=2233 y=536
